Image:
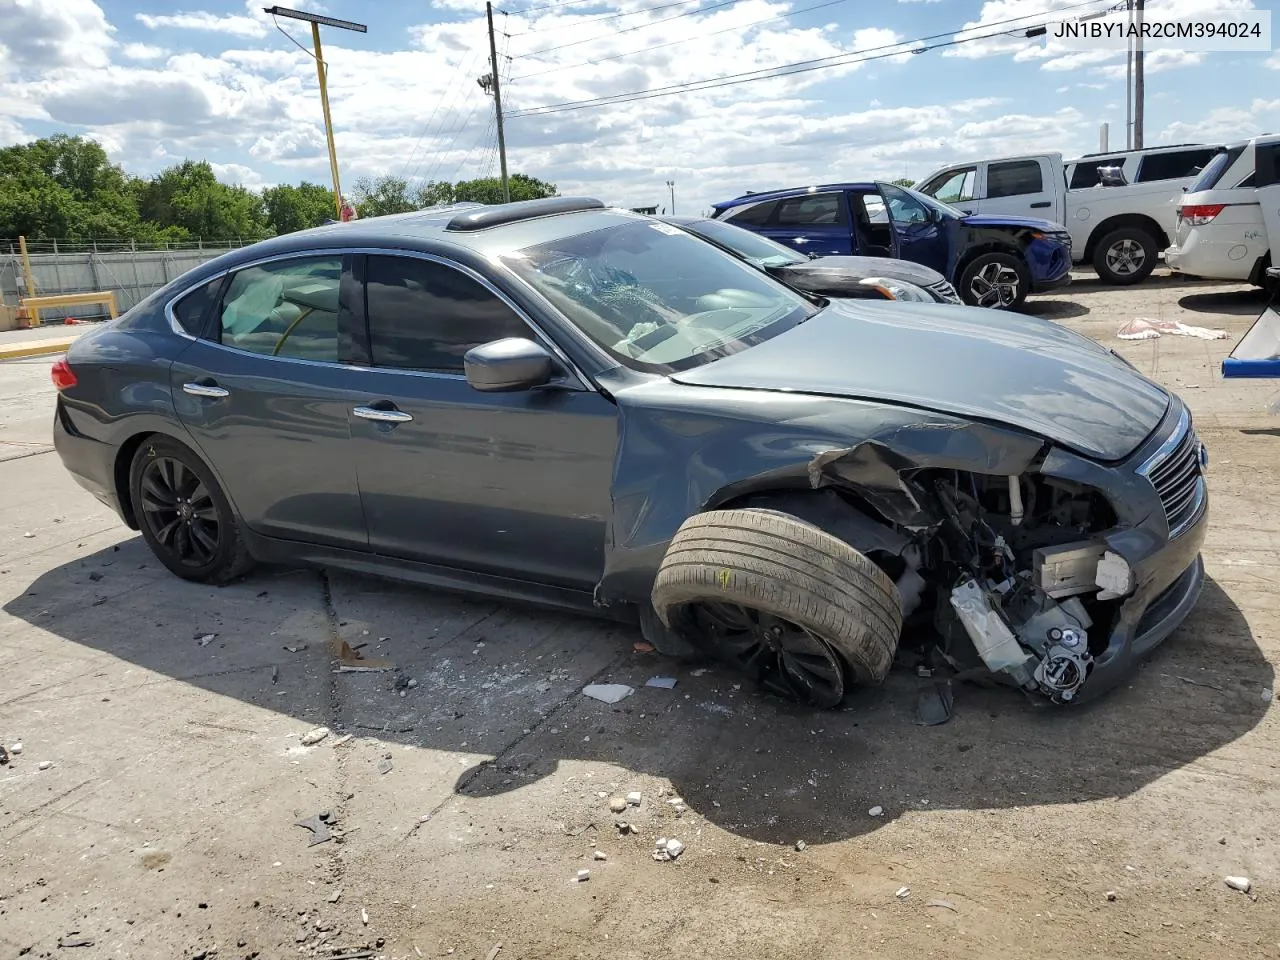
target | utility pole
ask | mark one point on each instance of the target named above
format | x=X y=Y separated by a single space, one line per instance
x=1139 y=89
x=671 y=185
x=1128 y=85
x=497 y=103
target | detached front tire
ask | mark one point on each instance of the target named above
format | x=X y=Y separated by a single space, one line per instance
x=997 y=281
x=184 y=516
x=1125 y=256
x=800 y=611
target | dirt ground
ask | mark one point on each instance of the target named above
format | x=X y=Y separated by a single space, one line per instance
x=165 y=825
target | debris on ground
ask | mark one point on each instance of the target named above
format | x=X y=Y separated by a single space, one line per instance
x=95 y=576
x=583 y=875
x=385 y=764
x=345 y=738
x=16 y=749
x=319 y=827
x=354 y=955
x=1144 y=328
x=351 y=660
x=364 y=916
x=633 y=798
x=1243 y=884
x=312 y=737
x=625 y=828
x=667 y=849
x=4 y=755
x=608 y=692
x=1268 y=694
x=46 y=764
x=493 y=952
x=641 y=647
x=934 y=704
x=204 y=639
x=800 y=845
x=275 y=674
x=617 y=805
x=876 y=812
x=335 y=896
x=297 y=649
x=1197 y=683
x=73 y=939
x=662 y=683
x=1112 y=896
x=600 y=855
x=902 y=893
x=944 y=904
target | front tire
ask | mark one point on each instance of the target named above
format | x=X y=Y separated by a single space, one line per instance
x=183 y=514
x=997 y=281
x=800 y=611
x=1125 y=256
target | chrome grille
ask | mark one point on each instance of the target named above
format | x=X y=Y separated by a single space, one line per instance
x=1175 y=473
x=945 y=290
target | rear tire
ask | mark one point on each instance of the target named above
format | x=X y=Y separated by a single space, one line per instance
x=183 y=514
x=797 y=609
x=997 y=281
x=1125 y=256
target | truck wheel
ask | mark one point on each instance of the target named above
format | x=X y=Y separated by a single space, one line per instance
x=799 y=611
x=998 y=281
x=1125 y=256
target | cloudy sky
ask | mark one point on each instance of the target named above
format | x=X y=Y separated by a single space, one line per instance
x=157 y=82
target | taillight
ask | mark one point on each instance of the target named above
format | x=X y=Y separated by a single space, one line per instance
x=1198 y=214
x=62 y=374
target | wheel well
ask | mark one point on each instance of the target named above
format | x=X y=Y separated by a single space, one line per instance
x=124 y=459
x=987 y=247
x=1136 y=220
x=1259 y=275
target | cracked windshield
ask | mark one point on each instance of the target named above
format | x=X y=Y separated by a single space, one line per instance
x=656 y=298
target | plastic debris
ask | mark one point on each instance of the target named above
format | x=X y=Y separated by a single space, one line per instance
x=73 y=939
x=312 y=737
x=800 y=845
x=944 y=904
x=876 y=812
x=1243 y=884
x=204 y=639
x=385 y=765
x=617 y=805
x=364 y=916
x=583 y=875
x=934 y=704
x=633 y=798
x=902 y=893
x=667 y=849
x=319 y=830
x=1144 y=328
x=641 y=646
x=1112 y=896
x=297 y=649
x=663 y=683
x=608 y=692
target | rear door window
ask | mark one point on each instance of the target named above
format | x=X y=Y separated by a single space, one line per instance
x=1014 y=179
x=1174 y=165
x=1216 y=167
x=1267 y=167
x=814 y=209
x=752 y=214
x=193 y=310
x=287 y=308
x=1086 y=172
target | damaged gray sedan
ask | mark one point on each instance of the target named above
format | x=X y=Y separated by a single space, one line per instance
x=557 y=402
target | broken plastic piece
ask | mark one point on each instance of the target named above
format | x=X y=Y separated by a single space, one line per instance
x=991 y=636
x=1114 y=576
x=319 y=829
x=1068 y=568
x=608 y=692
x=934 y=704
x=664 y=683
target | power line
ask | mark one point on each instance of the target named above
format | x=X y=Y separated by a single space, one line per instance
x=675 y=43
x=463 y=71
x=547 y=6
x=785 y=70
x=608 y=16
x=436 y=166
x=538 y=54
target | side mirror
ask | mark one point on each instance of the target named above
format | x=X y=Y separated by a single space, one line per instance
x=1112 y=177
x=508 y=365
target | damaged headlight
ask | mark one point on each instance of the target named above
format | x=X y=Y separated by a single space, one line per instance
x=898 y=290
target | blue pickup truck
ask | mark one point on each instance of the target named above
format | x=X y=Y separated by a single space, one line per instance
x=992 y=260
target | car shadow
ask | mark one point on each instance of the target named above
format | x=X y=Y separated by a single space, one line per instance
x=1087 y=281
x=1242 y=303
x=504 y=682
x=1053 y=309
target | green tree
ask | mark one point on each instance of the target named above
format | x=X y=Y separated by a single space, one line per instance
x=290 y=208
x=189 y=196
x=434 y=193
x=905 y=182
x=379 y=196
x=489 y=189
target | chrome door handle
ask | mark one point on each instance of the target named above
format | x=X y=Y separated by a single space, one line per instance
x=382 y=416
x=800 y=240
x=205 y=390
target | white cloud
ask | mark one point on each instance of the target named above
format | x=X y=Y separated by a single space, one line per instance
x=1155 y=61
x=43 y=35
x=11 y=133
x=238 y=173
x=204 y=20
x=1274 y=62
x=142 y=51
x=881 y=41
x=1225 y=124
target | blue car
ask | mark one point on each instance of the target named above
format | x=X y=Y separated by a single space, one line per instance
x=993 y=261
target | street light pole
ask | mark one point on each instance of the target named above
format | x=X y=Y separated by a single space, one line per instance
x=671 y=185
x=322 y=74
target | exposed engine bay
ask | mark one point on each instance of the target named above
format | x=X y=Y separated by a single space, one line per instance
x=1014 y=577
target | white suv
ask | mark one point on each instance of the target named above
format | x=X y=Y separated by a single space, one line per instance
x=1229 y=219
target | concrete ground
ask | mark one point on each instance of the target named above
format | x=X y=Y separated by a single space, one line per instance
x=171 y=717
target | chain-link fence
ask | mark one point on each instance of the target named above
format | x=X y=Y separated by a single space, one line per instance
x=131 y=270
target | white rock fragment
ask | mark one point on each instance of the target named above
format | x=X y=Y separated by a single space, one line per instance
x=800 y=845
x=617 y=805
x=312 y=737
x=663 y=683
x=634 y=798
x=16 y=749
x=1243 y=884
x=676 y=801
x=583 y=875
x=608 y=692
x=364 y=916
x=46 y=764
x=876 y=812
x=902 y=893
x=600 y=855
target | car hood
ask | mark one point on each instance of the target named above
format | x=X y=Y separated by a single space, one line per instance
x=828 y=269
x=999 y=220
x=1019 y=371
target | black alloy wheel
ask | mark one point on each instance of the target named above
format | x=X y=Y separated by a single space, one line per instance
x=180 y=513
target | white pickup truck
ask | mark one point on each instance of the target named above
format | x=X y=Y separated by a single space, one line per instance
x=1119 y=229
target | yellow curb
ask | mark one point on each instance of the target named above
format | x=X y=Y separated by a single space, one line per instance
x=34 y=348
